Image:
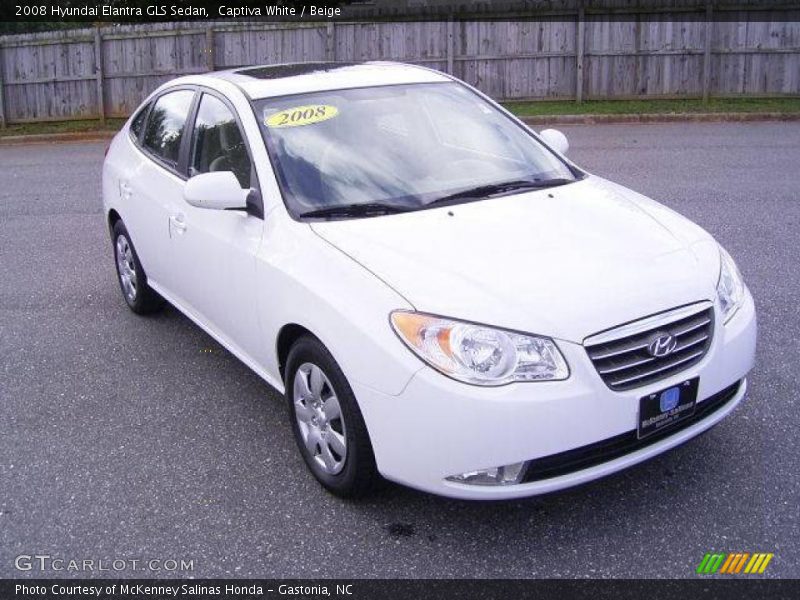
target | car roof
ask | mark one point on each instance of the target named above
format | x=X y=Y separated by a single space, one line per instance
x=267 y=81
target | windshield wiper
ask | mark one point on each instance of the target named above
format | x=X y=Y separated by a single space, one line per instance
x=498 y=189
x=374 y=209
x=368 y=209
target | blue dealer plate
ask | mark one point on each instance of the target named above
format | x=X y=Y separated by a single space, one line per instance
x=665 y=408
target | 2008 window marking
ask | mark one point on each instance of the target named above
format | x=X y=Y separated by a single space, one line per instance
x=302 y=115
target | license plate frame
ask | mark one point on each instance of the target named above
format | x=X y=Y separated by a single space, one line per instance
x=663 y=409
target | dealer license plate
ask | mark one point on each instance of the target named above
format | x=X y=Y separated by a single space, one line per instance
x=666 y=408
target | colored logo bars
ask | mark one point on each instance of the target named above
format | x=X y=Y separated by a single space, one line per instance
x=734 y=563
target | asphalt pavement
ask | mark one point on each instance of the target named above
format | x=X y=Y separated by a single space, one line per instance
x=130 y=438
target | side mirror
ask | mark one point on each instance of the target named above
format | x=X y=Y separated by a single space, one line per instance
x=219 y=190
x=555 y=139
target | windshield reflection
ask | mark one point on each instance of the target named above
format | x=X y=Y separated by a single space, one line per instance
x=403 y=146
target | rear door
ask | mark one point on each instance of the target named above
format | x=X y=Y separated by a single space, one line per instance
x=153 y=181
x=213 y=251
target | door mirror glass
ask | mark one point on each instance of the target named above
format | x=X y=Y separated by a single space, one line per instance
x=219 y=190
x=555 y=139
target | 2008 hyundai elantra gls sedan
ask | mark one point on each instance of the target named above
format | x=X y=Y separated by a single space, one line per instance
x=445 y=299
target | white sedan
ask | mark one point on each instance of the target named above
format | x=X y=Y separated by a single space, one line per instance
x=445 y=299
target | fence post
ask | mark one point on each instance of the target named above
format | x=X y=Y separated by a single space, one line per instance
x=579 y=55
x=2 y=93
x=98 y=73
x=210 y=62
x=450 y=46
x=330 y=41
x=707 y=53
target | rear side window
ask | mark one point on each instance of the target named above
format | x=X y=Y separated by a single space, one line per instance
x=218 y=142
x=138 y=121
x=165 y=125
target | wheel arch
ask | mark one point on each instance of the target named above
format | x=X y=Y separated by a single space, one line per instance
x=113 y=218
x=287 y=336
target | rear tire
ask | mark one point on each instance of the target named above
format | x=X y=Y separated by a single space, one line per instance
x=327 y=423
x=139 y=296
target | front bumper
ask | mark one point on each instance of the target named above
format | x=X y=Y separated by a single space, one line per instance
x=438 y=427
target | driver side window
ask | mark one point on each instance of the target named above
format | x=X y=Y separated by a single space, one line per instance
x=218 y=144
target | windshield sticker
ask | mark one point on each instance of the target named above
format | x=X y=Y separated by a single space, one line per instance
x=302 y=115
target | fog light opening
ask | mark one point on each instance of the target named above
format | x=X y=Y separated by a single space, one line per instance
x=505 y=475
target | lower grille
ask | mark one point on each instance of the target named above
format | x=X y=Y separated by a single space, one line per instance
x=626 y=362
x=585 y=457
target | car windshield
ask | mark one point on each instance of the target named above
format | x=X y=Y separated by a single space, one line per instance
x=389 y=149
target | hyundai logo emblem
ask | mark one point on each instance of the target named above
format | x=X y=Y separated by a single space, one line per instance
x=662 y=345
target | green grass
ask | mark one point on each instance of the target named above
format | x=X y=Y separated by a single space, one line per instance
x=61 y=127
x=624 y=107
x=522 y=109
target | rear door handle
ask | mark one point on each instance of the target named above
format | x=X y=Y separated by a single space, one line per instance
x=125 y=190
x=177 y=223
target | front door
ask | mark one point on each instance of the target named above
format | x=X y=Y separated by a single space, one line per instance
x=213 y=251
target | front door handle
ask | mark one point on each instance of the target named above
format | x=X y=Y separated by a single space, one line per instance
x=177 y=223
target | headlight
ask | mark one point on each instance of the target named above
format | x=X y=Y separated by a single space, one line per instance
x=478 y=354
x=730 y=288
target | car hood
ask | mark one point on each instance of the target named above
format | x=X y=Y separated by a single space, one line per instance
x=565 y=262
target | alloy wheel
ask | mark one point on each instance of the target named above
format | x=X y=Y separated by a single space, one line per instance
x=126 y=267
x=319 y=418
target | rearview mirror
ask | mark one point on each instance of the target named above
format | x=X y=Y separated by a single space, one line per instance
x=555 y=139
x=219 y=190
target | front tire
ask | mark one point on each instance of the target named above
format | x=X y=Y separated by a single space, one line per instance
x=139 y=296
x=327 y=423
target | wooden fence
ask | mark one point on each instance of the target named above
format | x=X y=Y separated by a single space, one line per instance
x=698 y=52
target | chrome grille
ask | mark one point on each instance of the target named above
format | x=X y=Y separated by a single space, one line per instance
x=622 y=358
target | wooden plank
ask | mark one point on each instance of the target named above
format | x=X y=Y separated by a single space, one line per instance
x=171 y=74
x=707 y=52
x=634 y=53
x=3 y=120
x=450 y=45
x=98 y=69
x=330 y=41
x=62 y=79
x=209 y=49
x=793 y=50
x=155 y=34
x=521 y=55
x=78 y=39
x=579 y=49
